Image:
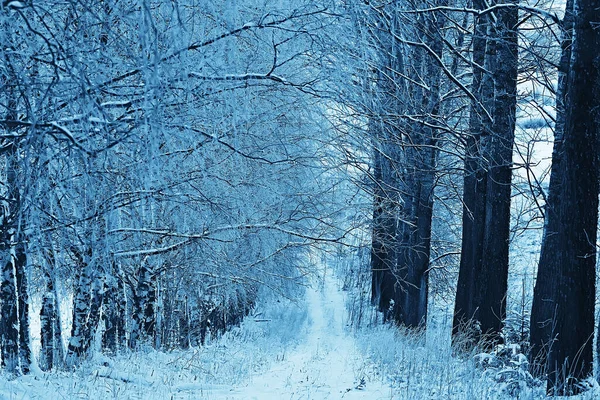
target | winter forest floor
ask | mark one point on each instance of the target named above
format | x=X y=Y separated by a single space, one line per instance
x=291 y=350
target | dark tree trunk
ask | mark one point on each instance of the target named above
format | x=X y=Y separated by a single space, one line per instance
x=47 y=314
x=475 y=182
x=480 y=306
x=166 y=326
x=113 y=315
x=110 y=318
x=541 y=334
x=564 y=294
x=494 y=268
x=121 y=300
x=384 y=234
x=378 y=247
x=184 y=324
x=150 y=310
x=10 y=317
x=52 y=349
x=144 y=303
x=425 y=140
x=387 y=286
x=416 y=296
x=93 y=319
x=20 y=261
x=79 y=341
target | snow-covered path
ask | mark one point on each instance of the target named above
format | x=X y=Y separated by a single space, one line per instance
x=325 y=365
x=322 y=361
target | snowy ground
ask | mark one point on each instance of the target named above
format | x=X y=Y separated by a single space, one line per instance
x=326 y=365
x=291 y=350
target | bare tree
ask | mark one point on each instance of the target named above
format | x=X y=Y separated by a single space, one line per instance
x=562 y=320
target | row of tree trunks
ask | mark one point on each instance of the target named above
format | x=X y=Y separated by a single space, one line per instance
x=87 y=301
x=480 y=306
x=404 y=167
x=15 y=347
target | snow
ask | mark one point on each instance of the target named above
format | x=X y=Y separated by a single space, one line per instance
x=326 y=365
x=303 y=351
x=291 y=350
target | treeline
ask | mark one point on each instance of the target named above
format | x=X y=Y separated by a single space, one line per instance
x=441 y=96
x=164 y=164
x=162 y=168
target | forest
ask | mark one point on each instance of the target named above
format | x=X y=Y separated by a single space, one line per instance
x=193 y=191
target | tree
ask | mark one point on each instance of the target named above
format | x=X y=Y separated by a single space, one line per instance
x=14 y=333
x=562 y=318
x=481 y=293
x=159 y=151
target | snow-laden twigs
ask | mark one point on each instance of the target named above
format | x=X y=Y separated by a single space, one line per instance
x=209 y=233
x=240 y=77
x=533 y=10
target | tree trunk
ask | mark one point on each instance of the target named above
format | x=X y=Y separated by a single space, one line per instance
x=59 y=347
x=113 y=306
x=144 y=299
x=475 y=181
x=425 y=163
x=79 y=341
x=13 y=335
x=51 y=351
x=184 y=324
x=10 y=317
x=493 y=279
x=20 y=262
x=541 y=333
x=480 y=306
x=383 y=252
x=47 y=314
x=564 y=293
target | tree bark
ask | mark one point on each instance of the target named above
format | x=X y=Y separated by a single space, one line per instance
x=541 y=333
x=422 y=162
x=77 y=347
x=144 y=315
x=20 y=262
x=480 y=306
x=493 y=279
x=46 y=360
x=51 y=351
x=10 y=317
x=113 y=306
x=474 y=184
x=562 y=319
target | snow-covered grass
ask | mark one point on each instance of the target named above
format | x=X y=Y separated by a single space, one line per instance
x=264 y=338
x=418 y=366
x=305 y=349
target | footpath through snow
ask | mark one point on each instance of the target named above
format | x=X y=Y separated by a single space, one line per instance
x=326 y=364
x=320 y=361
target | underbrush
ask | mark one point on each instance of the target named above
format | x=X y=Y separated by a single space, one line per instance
x=417 y=370
x=263 y=338
x=422 y=364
